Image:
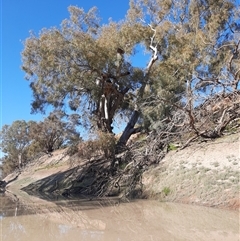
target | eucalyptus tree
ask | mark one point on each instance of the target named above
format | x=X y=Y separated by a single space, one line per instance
x=85 y=66
x=7 y=166
x=51 y=134
x=14 y=142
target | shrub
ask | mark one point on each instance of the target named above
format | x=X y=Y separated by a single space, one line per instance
x=166 y=191
x=104 y=145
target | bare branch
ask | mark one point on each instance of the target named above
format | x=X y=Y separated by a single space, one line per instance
x=235 y=52
x=236 y=73
x=153 y=48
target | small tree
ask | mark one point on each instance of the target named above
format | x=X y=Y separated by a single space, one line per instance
x=52 y=133
x=8 y=165
x=22 y=140
x=14 y=142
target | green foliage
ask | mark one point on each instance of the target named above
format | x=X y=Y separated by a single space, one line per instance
x=166 y=191
x=23 y=141
x=14 y=141
x=107 y=143
x=198 y=46
x=52 y=133
x=172 y=147
x=103 y=145
x=64 y=64
x=194 y=48
x=8 y=165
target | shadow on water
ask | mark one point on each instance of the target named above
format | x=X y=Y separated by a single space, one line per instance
x=31 y=218
x=12 y=205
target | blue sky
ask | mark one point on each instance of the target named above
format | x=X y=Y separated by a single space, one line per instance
x=18 y=18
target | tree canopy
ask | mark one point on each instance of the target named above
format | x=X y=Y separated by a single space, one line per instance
x=14 y=141
x=52 y=133
x=85 y=65
x=23 y=141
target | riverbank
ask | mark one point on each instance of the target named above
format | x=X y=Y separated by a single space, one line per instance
x=205 y=174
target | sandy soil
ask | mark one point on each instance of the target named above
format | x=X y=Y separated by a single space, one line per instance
x=204 y=174
x=43 y=167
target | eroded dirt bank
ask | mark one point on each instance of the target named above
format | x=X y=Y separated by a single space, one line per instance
x=205 y=174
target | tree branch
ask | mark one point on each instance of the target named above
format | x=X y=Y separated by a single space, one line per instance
x=129 y=130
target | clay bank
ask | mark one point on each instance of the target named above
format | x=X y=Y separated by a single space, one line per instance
x=205 y=173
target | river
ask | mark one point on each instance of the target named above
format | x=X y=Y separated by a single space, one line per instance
x=109 y=220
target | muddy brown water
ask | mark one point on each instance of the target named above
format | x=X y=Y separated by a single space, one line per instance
x=109 y=220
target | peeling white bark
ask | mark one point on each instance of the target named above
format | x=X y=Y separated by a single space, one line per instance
x=106 y=108
x=98 y=81
x=100 y=104
x=154 y=50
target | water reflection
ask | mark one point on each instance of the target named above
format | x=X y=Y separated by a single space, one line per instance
x=107 y=220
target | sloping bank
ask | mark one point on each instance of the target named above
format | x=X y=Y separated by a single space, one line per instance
x=205 y=174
